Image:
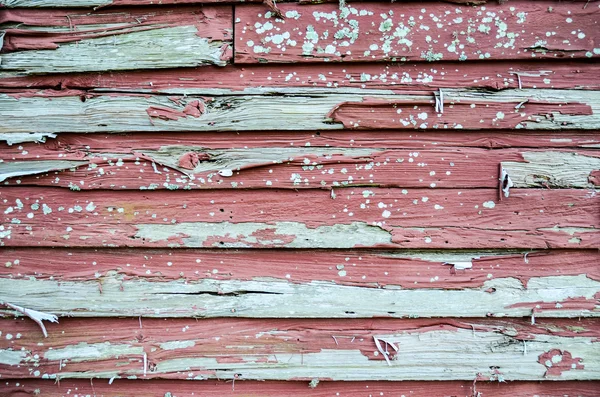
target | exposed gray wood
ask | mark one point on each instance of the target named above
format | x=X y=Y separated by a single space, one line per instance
x=130 y=113
x=21 y=168
x=112 y=294
x=168 y=47
x=279 y=350
x=556 y=169
x=13 y=138
x=194 y=167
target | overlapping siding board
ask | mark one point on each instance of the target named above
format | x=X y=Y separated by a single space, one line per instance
x=221 y=198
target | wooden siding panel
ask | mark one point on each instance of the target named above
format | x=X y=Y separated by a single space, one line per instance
x=190 y=167
x=291 y=350
x=362 y=77
x=337 y=242
x=75 y=41
x=124 y=387
x=313 y=284
x=415 y=31
x=357 y=217
x=408 y=269
x=82 y=112
x=497 y=350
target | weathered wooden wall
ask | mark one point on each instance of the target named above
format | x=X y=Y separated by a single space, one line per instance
x=207 y=197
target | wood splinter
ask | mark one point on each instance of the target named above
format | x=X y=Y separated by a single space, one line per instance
x=36 y=316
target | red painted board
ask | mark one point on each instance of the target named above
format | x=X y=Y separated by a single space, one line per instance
x=356 y=217
x=282 y=349
x=187 y=167
x=122 y=387
x=567 y=74
x=416 y=32
x=407 y=269
x=78 y=144
x=46 y=29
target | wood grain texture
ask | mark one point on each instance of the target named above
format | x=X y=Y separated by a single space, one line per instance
x=82 y=112
x=292 y=350
x=415 y=31
x=109 y=3
x=78 y=41
x=492 y=75
x=339 y=205
x=408 y=269
x=124 y=387
x=313 y=284
x=196 y=167
x=359 y=217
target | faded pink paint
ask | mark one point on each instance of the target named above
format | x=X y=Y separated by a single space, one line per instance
x=380 y=269
x=558 y=361
x=213 y=22
x=442 y=23
x=278 y=336
x=470 y=114
x=532 y=218
x=571 y=74
x=152 y=388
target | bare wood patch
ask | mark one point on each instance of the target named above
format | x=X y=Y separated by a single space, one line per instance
x=176 y=167
x=68 y=112
x=551 y=296
x=294 y=350
x=408 y=218
x=407 y=269
x=77 y=41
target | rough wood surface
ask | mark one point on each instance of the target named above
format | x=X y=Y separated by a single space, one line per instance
x=303 y=284
x=337 y=242
x=416 y=31
x=78 y=41
x=109 y=3
x=124 y=387
x=358 y=217
x=224 y=349
x=408 y=269
x=196 y=167
x=230 y=79
x=74 y=111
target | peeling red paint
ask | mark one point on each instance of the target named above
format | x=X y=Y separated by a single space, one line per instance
x=120 y=387
x=408 y=32
x=302 y=266
x=468 y=114
x=274 y=339
x=558 y=361
x=594 y=178
x=581 y=303
x=527 y=220
x=211 y=22
x=452 y=167
x=375 y=214
x=571 y=74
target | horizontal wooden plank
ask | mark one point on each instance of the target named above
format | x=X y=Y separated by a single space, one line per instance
x=356 y=217
x=121 y=387
x=408 y=269
x=420 y=140
x=323 y=284
x=81 y=112
x=42 y=41
x=494 y=75
x=303 y=349
x=110 y=3
x=189 y=167
x=364 y=31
